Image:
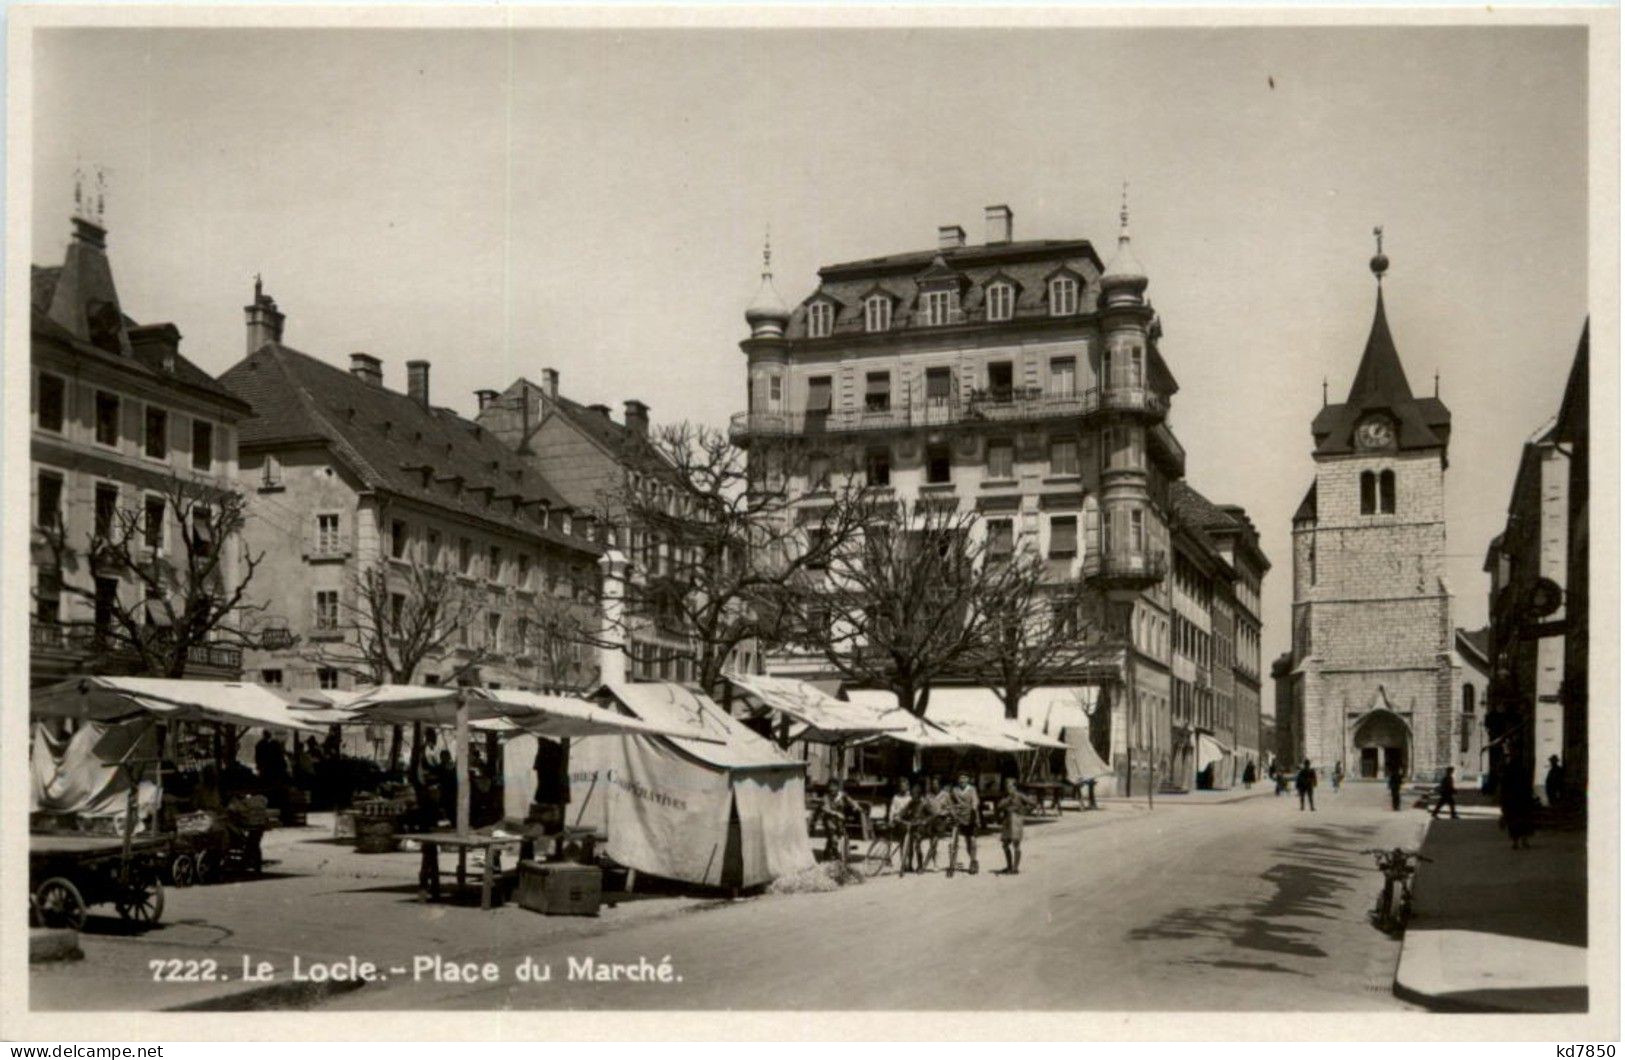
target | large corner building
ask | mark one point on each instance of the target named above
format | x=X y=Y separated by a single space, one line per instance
x=1022 y=380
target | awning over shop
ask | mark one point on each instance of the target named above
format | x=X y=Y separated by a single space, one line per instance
x=1209 y=750
x=112 y=699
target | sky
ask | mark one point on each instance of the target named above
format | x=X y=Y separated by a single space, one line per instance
x=595 y=200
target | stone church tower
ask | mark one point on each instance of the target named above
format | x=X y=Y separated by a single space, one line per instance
x=1371 y=633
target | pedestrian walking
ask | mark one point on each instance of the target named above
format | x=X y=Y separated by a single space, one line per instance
x=1556 y=781
x=965 y=815
x=1013 y=809
x=1447 y=793
x=1249 y=775
x=1306 y=780
x=1337 y=777
x=1396 y=780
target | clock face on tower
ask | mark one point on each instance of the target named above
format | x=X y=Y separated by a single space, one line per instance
x=1374 y=432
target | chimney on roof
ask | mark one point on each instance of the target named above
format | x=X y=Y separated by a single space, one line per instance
x=999 y=224
x=264 y=319
x=485 y=398
x=550 y=381
x=949 y=237
x=367 y=368
x=637 y=416
x=602 y=410
x=417 y=382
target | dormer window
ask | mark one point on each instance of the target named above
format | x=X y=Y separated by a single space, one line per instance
x=1001 y=302
x=936 y=307
x=1063 y=296
x=876 y=313
x=820 y=320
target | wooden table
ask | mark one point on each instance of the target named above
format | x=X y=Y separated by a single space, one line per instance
x=1046 y=791
x=429 y=870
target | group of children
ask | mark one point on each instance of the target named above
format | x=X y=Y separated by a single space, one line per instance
x=922 y=813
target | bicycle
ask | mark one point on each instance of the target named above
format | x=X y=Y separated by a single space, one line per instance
x=890 y=844
x=1398 y=868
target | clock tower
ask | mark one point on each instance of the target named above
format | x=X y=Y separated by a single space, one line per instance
x=1371 y=681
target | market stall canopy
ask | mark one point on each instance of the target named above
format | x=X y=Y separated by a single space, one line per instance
x=915 y=730
x=494 y=710
x=1041 y=714
x=822 y=717
x=112 y=699
x=986 y=737
x=567 y=717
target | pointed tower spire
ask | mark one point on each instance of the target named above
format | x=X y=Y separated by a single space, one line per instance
x=767 y=314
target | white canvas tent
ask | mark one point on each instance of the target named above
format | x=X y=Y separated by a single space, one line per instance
x=101 y=765
x=723 y=807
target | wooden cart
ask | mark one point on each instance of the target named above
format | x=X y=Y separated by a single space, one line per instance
x=69 y=873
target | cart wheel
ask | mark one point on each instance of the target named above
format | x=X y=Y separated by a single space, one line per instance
x=60 y=904
x=142 y=903
x=183 y=871
x=877 y=859
x=205 y=867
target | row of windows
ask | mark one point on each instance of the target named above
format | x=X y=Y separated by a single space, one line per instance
x=937 y=308
x=145 y=527
x=1062 y=383
x=650 y=662
x=520 y=569
x=498 y=634
x=1192 y=642
x=52 y=415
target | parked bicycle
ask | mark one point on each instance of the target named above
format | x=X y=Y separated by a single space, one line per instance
x=1398 y=868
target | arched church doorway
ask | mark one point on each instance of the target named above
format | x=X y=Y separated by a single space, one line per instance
x=1382 y=743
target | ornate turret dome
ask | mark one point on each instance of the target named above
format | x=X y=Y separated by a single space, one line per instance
x=767 y=314
x=1124 y=278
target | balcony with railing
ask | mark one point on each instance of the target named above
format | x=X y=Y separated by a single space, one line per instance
x=59 y=639
x=1125 y=568
x=1007 y=405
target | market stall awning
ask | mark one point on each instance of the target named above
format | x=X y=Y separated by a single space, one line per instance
x=567 y=717
x=914 y=730
x=822 y=717
x=978 y=713
x=987 y=737
x=119 y=698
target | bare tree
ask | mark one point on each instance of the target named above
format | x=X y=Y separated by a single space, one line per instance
x=714 y=536
x=560 y=630
x=174 y=551
x=395 y=619
x=903 y=607
x=1039 y=630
